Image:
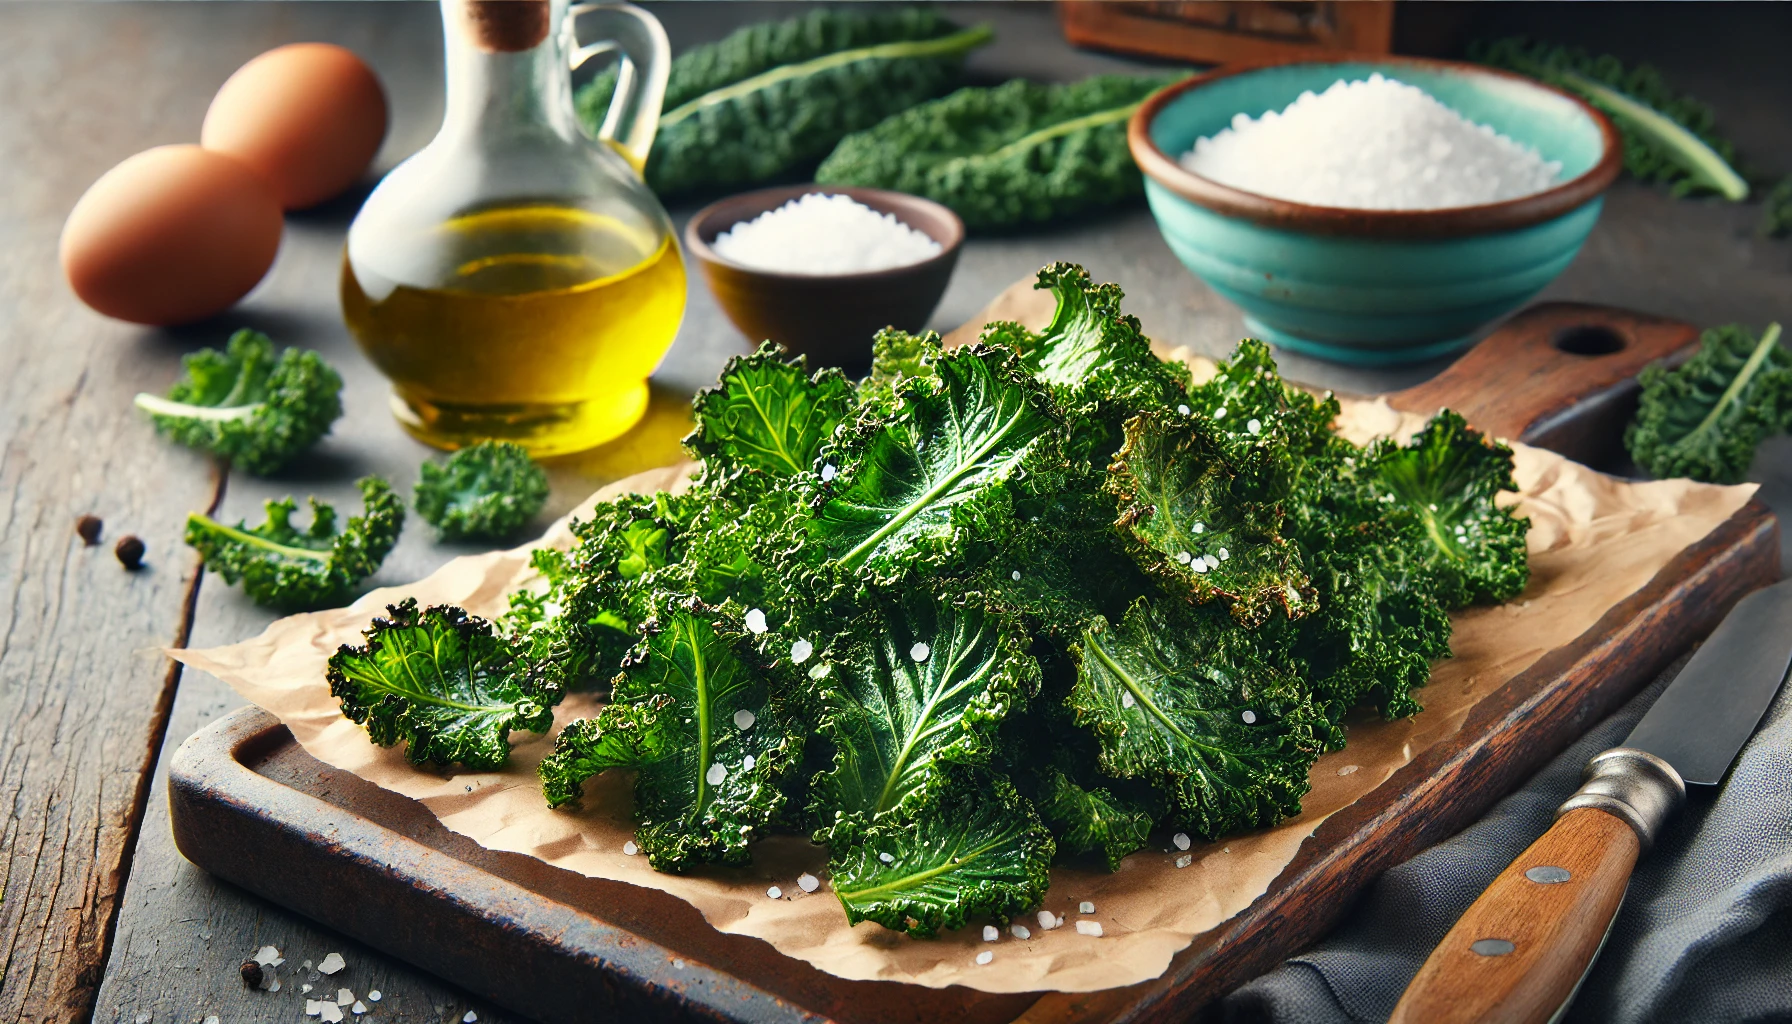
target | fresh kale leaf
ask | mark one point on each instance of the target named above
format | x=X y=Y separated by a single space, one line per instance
x=1093 y=821
x=290 y=569
x=1018 y=153
x=710 y=746
x=974 y=846
x=767 y=418
x=775 y=95
x=487 y=491
x=247 y=405
x=444 y=683
x=1705 y=418
x=896 y=357
x=1188 y=704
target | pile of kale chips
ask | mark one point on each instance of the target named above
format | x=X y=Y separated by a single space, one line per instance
x=1028 y=599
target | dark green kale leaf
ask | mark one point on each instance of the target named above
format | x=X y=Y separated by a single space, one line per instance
x=487 y=491
x=1093 y=821
x=1776 y=210
x=897 y=357
x=908 y=687
x=973 y=846
x=767 y=418
x=1247 y=388
x=248 y=405
x=444 y=683
x=283 y=567
x=1705 y=418
x=1204 y=516
x=711 y=747
x=1187 y=703
x=775 y=95
x=1018 y=153
x=936 y=483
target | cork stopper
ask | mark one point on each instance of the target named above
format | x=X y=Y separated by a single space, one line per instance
x=506 y=26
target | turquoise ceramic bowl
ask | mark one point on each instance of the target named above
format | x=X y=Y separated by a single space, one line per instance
x=1374 y=286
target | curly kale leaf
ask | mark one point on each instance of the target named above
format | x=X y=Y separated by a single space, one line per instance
x=1093 y=821
x=698 y=724
x=1018 y=153
x=1205 y=521
x=1188 y=705
x=289 y=569
x=766 y=418
x=247 y=405
x=775 y=95
x=937 y=480
x=487 y=491
x=1447 y=478
x=444 y=683
x=1705 y=418
x=896 y=358
x=1776 y=210
x=908 y=688
x=1247 y=389
x=1668 y=137
x=974 y=846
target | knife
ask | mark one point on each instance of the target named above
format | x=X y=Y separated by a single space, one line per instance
x=1518 y=955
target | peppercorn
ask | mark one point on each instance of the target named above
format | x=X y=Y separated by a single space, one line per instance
x=89 y=528
x=251 y=973
x=130 y=551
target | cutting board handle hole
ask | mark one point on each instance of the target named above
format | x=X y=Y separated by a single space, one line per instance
x=1589 y=340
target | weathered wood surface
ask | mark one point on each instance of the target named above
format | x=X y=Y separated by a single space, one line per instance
x=82 y=696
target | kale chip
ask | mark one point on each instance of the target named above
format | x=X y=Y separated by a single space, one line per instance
x=284 y=567
x=487 y=491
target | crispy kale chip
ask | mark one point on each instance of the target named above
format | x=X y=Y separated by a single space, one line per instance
x=1705 y=418
x=444 y=683
x=1018 y=153
x=775 y=95
x=971 y=846
x=487 y=491
x=247 y=405
x=767 y=418
x=1188 y=704
x=284 y=567
x=1094 y=821
x=897 y=357
x=698 y=723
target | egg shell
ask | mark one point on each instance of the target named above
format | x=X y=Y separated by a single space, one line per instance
x=174 y=234
x=308 y=116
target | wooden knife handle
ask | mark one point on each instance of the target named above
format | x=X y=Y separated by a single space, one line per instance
x=1560 y=375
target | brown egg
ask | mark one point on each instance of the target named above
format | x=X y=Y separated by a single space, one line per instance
x=309 y=116
x=173 y=234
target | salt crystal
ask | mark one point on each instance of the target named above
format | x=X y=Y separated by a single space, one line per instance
x=920 y=651
x=1224 y=554
x=828 y=472
x=1019 y=931
x=1181 y=840
x=331 y=1014
x=1046 y=921
x=986 y=956
x=272 y=984
x=1014 y=575
x=744 y=719
x=1200 y=565
x=1200 y=527
x=470 y=1018
x=213 y=1019
x=374 y=996
x=143 y=1018
x=716 y=774
x=1220 y=413
x=800 y=651
x=807 y=882
x=818 y=672
x=747 y=763
x=344 y=997
x=629 y=849
x=1374 y=143
x=359 y=1007
x=1085 y=907
x=1255 y=426
x=1184 y=557
x=1182 y=410
x=775 y=893
x=1184 y=861
x=1350 y=769
x=1089 y=928
x=332 y=963
x=268 y=956
x=990 y=934
x=1126 y=699
x=1249 y=716
x=313 y=1007
x=304 y=988
x=824 y=234
x=886 y=858
x=755 y=621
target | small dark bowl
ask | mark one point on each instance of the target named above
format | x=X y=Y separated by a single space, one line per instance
x=829 y=318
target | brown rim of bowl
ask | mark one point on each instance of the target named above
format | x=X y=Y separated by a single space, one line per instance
x=879 y=199
x=1453 y=221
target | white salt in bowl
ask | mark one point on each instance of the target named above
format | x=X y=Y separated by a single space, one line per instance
x=1374 y=286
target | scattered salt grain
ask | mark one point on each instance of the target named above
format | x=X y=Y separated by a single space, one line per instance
x=332 y=1014
x=304 y=988
x=775 y=893
x=818 y=672
x=272 y=984
x=1212 y=562
x=358 y=1008
x=716 y=774
x=1089 y=928
x=886 y=858
x=1350 y=769
x=213 y=1019
x=1182 y=410
x=755 y=621
x=828 y=472
x=1200 y=565
x=1254 y=425
x=1019 y=931
x=332 y=963
x=1249 y=716
x=1181 y=840
x=986 y=956
x=744 y=719
x=920 y=651
x=629 y=849
x=313 y=1007
x=344 y=997
x=1184 y=557
x=1373 y=144
x=470 y=1018
x=1047 y=921
x=374 y=996
x=1224 y=554
x=807 y=882
x=800 y=651
x=990 y=934
x=1220 y=413
x=1015 y=575
x=1184 y=861
x=1126 y=699
x=1200 y=527
x=1085 y=907
x=747 y=763
x=268 y=956
x=822 y=234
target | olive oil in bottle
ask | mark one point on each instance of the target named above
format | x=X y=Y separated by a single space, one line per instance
x=537 y=324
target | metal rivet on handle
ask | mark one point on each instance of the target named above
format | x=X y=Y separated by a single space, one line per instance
x=1492 y=947
x=1547 y=874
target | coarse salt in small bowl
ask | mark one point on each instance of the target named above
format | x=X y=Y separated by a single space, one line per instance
x=830 y=317
x=1374 y=286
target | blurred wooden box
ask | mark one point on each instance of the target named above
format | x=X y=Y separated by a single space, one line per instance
x=1230 y=31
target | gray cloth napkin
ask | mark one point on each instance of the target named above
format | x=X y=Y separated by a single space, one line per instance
x=1704 y=933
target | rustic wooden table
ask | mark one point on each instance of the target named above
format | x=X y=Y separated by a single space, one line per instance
x=101 y=916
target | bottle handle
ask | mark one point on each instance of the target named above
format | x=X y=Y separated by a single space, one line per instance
x=643 y=67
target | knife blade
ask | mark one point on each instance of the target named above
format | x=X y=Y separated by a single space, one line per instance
x=1518 y=955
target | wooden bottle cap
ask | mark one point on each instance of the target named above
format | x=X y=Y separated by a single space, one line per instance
x=506 y=26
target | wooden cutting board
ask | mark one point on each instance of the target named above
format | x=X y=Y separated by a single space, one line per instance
x=252 y=807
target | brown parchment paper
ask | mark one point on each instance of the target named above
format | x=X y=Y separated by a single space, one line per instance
x=1593 y=541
